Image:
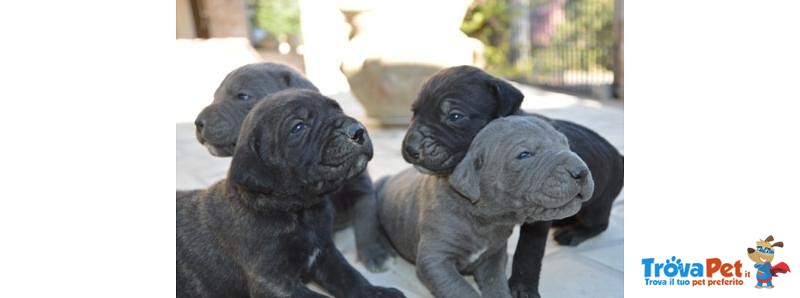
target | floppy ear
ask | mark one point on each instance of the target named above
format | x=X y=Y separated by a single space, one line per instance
x=464 y=179
x=769 y=238
x=507 y=97
x=248 y=170
x=294 y=80
x=778 y=244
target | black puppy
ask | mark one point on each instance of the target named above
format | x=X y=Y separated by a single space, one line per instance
x=217 y=128
x=266 y=229
x=454 y=104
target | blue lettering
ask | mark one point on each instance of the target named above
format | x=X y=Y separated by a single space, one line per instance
x=647 y=263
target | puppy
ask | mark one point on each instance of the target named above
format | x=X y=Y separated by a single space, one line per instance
x=217 y=125
x=450 y=109
x=517 y=169
x=266 y=228
x=217 y=128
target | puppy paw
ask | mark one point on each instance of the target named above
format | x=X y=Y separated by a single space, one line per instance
x=381 y=292
x=375 y=258
x=519 y=290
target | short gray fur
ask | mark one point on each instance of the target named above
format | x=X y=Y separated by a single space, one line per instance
x=460 y=223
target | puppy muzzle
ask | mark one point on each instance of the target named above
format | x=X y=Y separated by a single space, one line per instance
x=217 y=130
x=564 y=190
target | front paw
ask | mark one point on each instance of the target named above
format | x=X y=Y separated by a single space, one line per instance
x=520 y=290
x=381 y=292
x=375 y=257
x=568 y=236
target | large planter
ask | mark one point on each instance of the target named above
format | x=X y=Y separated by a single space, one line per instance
x=396 y=45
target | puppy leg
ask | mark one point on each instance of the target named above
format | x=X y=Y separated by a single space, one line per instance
x=527 y=265
x=261 y=286
x=345 y=200
x=331 y=271
x=438 y=272
x=491 y=275
x=372 y=246
x=592 y=219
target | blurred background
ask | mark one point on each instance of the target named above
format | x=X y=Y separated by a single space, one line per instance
x=381 y=50
x=372 y=56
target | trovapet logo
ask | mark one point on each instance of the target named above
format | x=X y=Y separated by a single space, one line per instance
x=674 y=272
x=714 y=271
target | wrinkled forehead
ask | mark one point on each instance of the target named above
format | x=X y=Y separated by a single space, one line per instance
x=513 y=131
x=450 y=89
x=298 y=102
x=249 y=77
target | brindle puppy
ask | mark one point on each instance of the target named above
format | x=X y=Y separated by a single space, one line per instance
x=218 y=127
x=266 y=229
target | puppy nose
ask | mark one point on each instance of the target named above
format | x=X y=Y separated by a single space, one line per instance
x=356 y=133
x=578 y=174
x=411 y=152
x=750 y=250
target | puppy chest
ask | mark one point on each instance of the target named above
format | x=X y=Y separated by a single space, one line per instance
x=303 y=249
x=471 y=257
x=481 y=244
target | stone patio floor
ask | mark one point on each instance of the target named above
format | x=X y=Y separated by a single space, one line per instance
x=592 y=269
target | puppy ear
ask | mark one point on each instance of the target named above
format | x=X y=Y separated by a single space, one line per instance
x=293 y=80
x=778 y=244
x=248 y=171
x=464 y=179
x=769 y=238
x=507 y=97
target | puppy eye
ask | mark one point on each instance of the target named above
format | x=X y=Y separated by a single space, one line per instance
x=454 y=116
x=242 y=96
x=297 y=128
x=524 y=154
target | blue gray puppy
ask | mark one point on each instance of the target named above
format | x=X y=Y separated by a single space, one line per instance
x=517 y=169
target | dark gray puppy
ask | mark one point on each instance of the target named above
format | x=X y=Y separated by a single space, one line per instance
x=218 y=124
x=217 y=128
x=450 y=109
x=266 y=229
x=518 y=169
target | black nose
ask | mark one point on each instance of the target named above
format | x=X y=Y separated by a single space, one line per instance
x=750 y=250
x=411 y=152
x=579 y=174
x=356 y=133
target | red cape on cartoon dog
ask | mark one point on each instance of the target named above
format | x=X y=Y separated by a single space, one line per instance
x=779 y=268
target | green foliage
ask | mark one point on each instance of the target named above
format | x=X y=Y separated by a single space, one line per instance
x=488 y=21
x=280 y=18
x=581 y=41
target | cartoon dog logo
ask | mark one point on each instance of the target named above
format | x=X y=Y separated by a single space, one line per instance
x=763 y=255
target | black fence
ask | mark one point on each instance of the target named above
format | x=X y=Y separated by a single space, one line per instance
x=572 y=45
x=567 y=45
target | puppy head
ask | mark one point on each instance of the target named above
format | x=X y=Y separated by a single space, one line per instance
x=217 y=126
x=521 y=164
x=298 y=143
x=765 y=251
x=450 y=109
